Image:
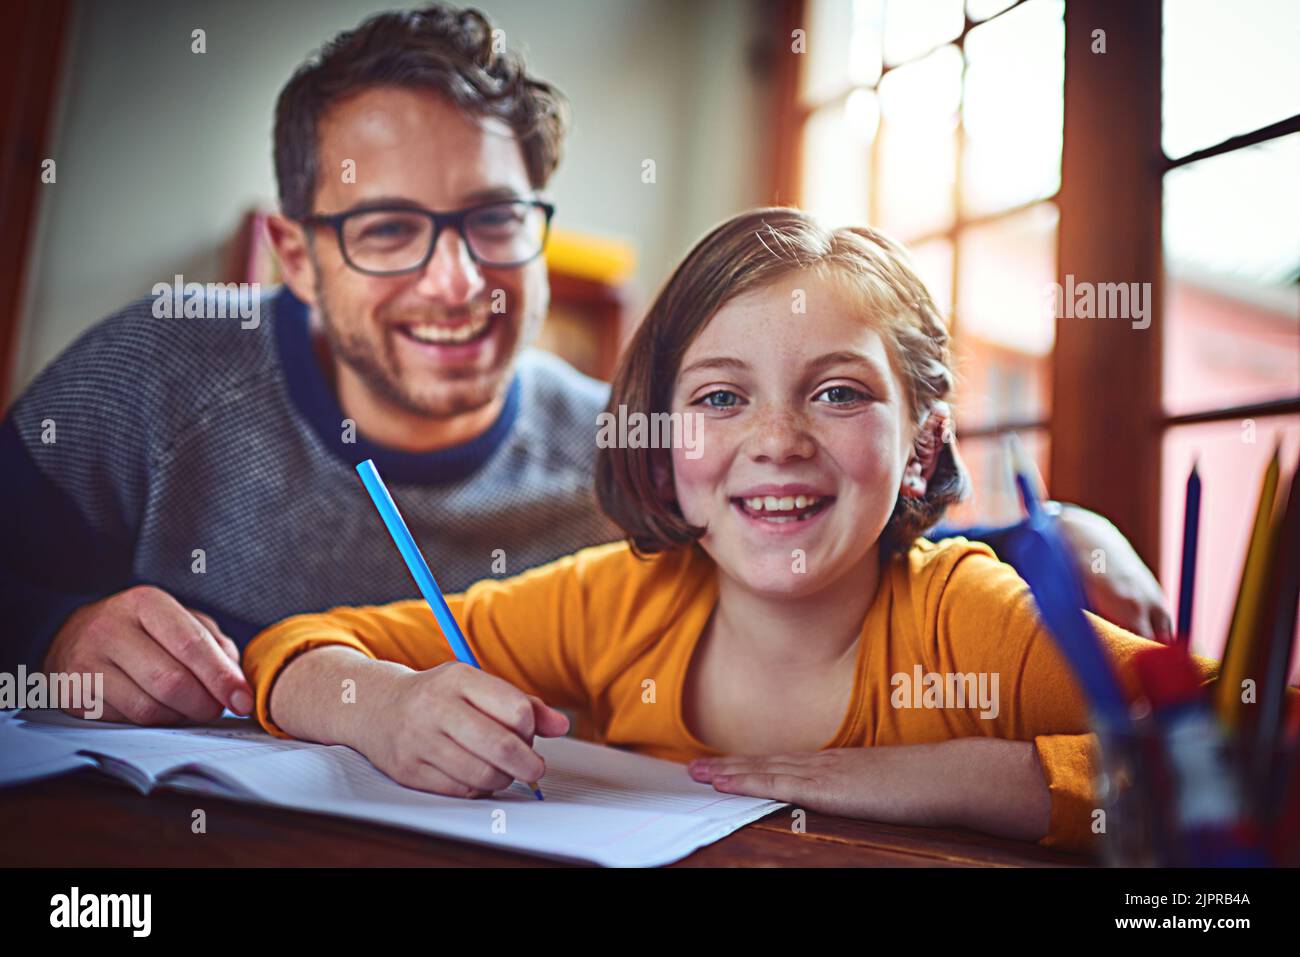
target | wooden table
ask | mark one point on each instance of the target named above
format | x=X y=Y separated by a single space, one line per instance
x=87 y=819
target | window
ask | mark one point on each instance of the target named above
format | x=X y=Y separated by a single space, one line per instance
x=1011 y=149
x=941 y=124
x=1230 y=211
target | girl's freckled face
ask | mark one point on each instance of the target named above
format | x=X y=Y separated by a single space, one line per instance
x=803 y=434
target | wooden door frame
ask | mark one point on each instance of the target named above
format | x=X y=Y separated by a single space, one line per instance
x=1106 y=374
x=31 y=54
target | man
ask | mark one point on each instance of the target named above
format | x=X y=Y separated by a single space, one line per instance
x=174 y=485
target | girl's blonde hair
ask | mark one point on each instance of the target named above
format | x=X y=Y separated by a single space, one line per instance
x=746 y=252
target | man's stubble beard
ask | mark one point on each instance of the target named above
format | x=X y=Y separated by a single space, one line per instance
x=468 y=392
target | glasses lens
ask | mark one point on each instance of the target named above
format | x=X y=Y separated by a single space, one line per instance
x=506 y=234
x=387 y=241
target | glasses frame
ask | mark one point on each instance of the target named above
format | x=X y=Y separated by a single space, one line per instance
x=454 y=218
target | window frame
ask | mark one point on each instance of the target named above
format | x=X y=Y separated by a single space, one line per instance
x=1107 y=419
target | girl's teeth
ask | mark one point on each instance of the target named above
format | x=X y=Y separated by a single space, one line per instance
x=787 y=503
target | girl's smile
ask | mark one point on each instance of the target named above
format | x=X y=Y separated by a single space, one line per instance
x=789 y=509
x=805 y=433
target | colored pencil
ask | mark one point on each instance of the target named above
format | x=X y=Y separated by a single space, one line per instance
x=419 y=569
x=1239 y=654
x=1187 y=580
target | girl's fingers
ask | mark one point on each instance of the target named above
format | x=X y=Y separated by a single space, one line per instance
x=549 y=722
x=497 y=748
x=788 y=788
x=501 y=701
x=761 y=762
x=426 y=777
x=709 y=772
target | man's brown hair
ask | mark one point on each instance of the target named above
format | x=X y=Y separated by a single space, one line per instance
x=746 y=252
x=449 y=51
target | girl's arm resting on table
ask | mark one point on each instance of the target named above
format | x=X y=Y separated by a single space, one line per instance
x=985 y=784
x=994 y=786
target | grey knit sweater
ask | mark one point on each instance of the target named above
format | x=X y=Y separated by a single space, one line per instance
x=212 y=460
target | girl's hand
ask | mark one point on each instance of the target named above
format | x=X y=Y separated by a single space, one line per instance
x=866 y=783
x=988 y=784
x=459 y=731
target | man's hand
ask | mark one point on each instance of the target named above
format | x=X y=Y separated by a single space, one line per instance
x=162 y=663
x=1126 y=593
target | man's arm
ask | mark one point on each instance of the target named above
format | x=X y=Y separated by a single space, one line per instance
x=1117 y=583
x=53 y=561
x=74 y=454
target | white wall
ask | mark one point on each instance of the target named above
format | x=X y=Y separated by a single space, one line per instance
x=160 y=151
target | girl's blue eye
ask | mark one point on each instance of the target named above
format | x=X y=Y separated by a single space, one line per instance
x=842 y=394
x=719 y=399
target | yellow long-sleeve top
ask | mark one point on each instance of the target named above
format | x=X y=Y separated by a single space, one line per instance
x=586 y=631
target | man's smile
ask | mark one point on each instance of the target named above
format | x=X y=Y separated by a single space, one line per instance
x=451 y=344
x=462 y=331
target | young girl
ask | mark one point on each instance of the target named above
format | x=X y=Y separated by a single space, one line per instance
x=773 y=612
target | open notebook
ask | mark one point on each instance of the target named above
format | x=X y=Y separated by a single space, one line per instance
x=603 y=806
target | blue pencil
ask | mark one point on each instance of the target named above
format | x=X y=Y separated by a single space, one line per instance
x=1047 y=568
x=419 y=569
x=1187 y=582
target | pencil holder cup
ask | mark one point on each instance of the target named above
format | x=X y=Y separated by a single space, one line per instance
x=1151 y=816
x=1130 y=824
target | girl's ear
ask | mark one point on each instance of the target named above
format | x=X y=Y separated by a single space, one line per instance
x=935 y=432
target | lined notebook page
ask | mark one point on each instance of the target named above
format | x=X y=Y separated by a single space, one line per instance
x=602 y=806
x=28 y=757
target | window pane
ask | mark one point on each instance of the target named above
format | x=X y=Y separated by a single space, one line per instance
x=994 y=499
x=1232 y=256
x=836 y=160
x=843 y=47
x=979 y=10
x=1013 y=109
x=1227 y=68
x=918 y=105
x=1004 y=325
x=914 y=26
x=933 y=262
x=1230 y=459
